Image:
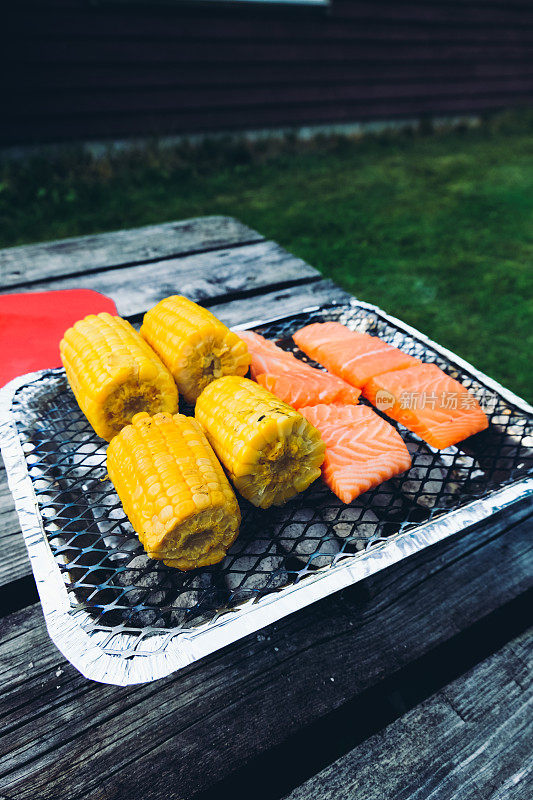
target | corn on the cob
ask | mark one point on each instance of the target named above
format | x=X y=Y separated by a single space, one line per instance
x=269 y=450
x=174 y=490
x=194 y=345
x=114 y=373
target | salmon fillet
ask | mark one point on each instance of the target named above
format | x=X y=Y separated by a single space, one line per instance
x=428 y=402
x=362 y=449
x=354 y=357
x=292 y=380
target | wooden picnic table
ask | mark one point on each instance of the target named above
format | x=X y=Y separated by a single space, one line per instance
x=411 y=684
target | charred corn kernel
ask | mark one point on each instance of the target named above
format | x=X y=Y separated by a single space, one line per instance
x=194 y=345
x=114 y=373
x=174 y=490
x=270 y=451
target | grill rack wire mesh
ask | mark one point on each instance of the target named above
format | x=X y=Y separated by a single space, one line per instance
x=122 y=591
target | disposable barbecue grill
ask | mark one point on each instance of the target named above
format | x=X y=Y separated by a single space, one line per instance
x=122 y=618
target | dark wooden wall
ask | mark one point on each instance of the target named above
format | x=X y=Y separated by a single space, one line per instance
x=82 y=69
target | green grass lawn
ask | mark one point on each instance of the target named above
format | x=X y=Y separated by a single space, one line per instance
x=436 y=229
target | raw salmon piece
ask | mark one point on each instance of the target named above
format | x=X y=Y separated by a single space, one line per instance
x=355 y=357
x=292 y=380
x=428 y=402
x=267 y=357
x=302 y=390
x=362 y=450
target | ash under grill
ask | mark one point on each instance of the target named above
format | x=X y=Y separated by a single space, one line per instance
x=103 y=565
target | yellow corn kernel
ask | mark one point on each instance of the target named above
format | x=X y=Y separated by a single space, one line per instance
x=268 y=449
x=174 y=490
x=114 y=373
x=195 y=346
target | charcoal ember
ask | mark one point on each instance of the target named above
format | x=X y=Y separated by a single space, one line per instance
x=462 y=471
x=518 y=431
x=87 y=460
x=357 y=321
x=195 y=600
x=109 y=523
x=313 y=544
x=360 y=524
x=107 y=509
x=425 y=479
x=356 y=521
x=457 y=461
x=146 y=581
x=253 y=565
x=303 y=514
x=386 y=502
x=489 y=402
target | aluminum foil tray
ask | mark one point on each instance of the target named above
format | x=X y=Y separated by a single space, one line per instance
x=122 y=618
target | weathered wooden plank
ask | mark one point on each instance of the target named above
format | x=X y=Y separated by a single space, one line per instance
x=38 y=262
x=14 y=562
x=282 y=301
x=191 y=729
x=470 y=740
x=201 y=276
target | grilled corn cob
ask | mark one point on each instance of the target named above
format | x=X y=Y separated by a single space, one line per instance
x=195 y=346
x=174 y=490
x=114 y=374
x=269 y=450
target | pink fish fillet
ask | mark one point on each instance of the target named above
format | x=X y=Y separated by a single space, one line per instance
x=362 y=450
x=292 y=380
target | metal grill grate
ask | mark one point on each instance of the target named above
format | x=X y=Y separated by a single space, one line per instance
x=104 y=567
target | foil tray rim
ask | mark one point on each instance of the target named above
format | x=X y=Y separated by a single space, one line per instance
x=186 y=647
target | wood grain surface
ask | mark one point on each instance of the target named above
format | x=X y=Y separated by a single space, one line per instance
x=181 y=734
x=213 y=274
x=471 y=740
x=78 y=256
